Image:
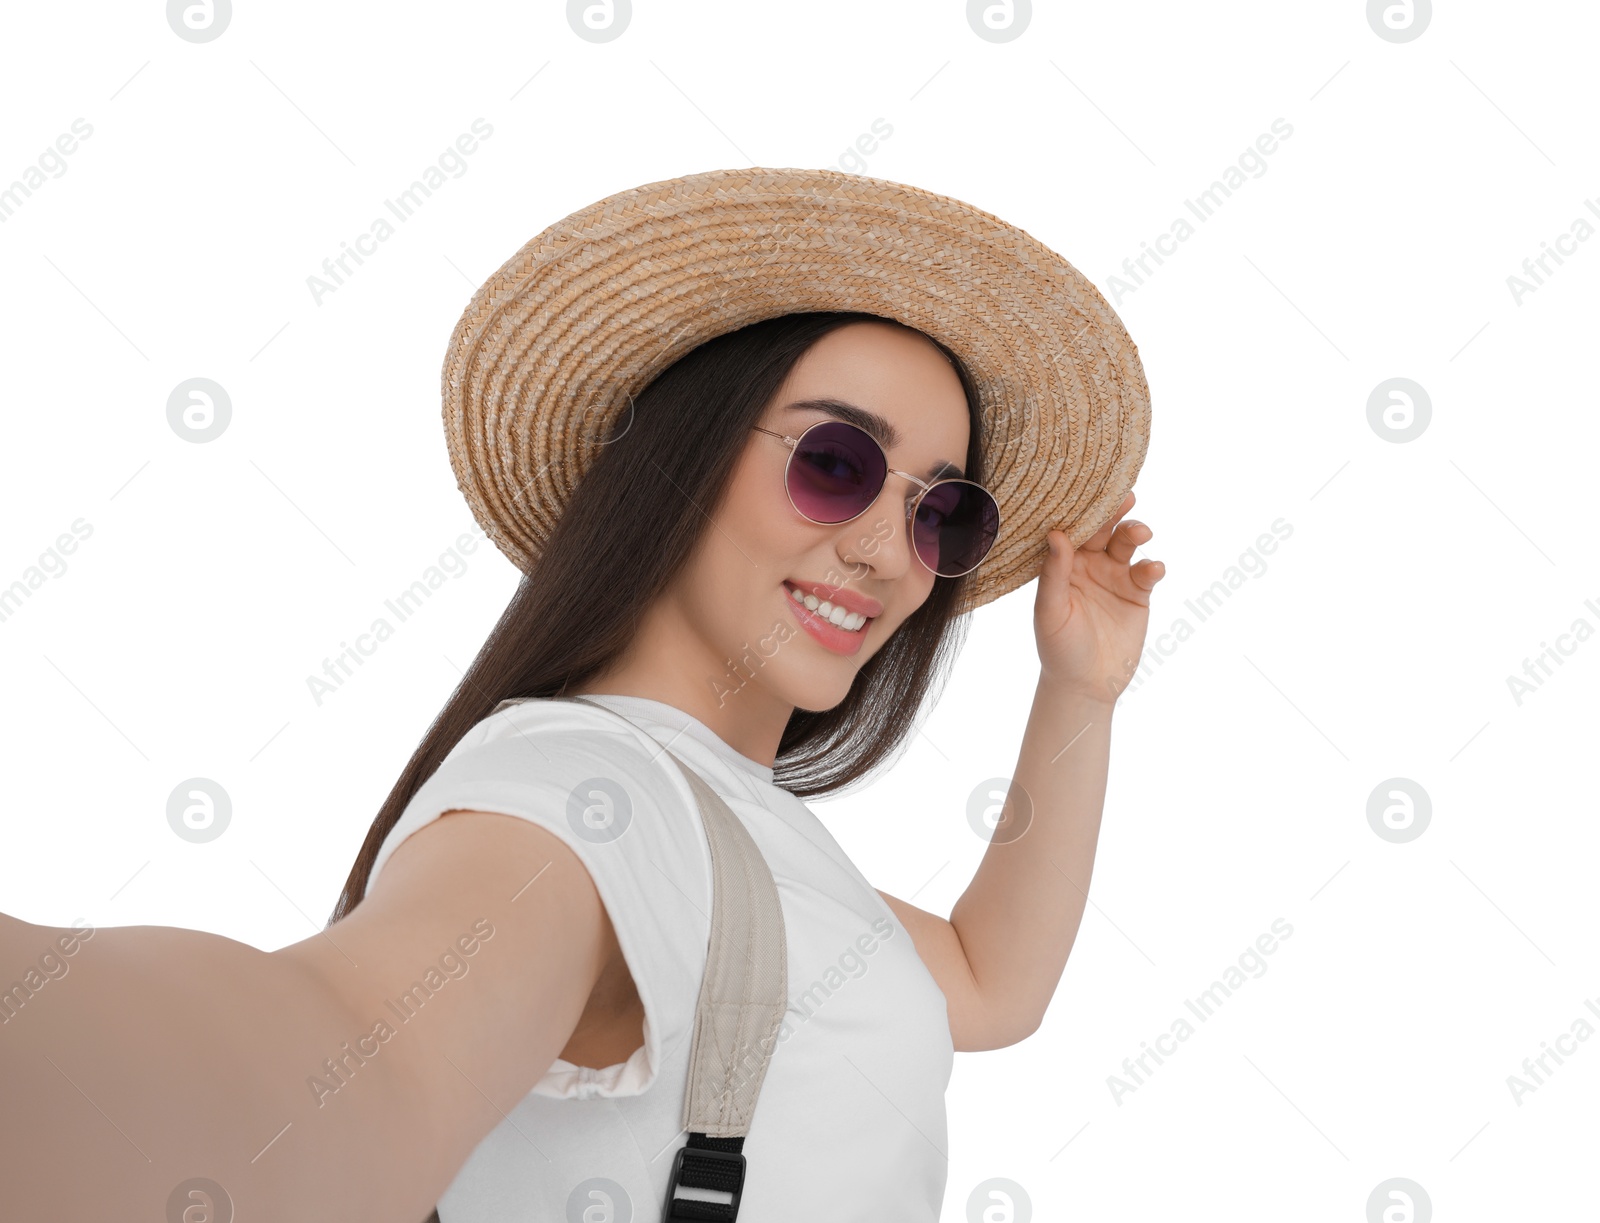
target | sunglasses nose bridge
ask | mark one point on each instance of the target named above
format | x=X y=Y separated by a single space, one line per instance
x=910 y=515
x=922 y=485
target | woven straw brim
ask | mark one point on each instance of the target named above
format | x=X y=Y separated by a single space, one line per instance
x=552 y=346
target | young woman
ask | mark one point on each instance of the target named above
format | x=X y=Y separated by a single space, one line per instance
x=761 y=572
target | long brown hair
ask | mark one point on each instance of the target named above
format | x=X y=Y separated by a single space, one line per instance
x=627 y=532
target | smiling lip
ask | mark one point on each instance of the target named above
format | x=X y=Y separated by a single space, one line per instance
x=840 y=597
x=827 y=634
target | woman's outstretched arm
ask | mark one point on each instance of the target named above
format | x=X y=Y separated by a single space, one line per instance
x=346 y=1077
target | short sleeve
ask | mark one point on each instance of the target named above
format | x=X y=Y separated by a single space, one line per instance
x=625 y=809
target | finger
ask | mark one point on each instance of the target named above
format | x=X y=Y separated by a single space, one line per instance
x=1147 y=573
x=1054 y=599
x=1126 y=539
x=1100 y=538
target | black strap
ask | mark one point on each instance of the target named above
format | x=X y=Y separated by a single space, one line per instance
x=706 y=1163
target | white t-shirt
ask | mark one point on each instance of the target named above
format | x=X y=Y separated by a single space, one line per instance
x=850 y=1122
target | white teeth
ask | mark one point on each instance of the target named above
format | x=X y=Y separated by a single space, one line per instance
x=849 y=621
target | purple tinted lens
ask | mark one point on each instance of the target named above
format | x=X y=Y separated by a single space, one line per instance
x=956 y=525
x=836 y=472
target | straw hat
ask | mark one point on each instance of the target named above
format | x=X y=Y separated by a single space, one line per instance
x=552 y=347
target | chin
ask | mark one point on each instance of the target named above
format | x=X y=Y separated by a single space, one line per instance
x=820 y=689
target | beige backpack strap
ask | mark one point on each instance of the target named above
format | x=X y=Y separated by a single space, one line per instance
x=743 y=997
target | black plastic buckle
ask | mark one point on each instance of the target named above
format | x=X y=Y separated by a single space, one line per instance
x=697 y=1167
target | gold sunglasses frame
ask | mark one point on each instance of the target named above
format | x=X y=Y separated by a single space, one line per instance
x=793 y=444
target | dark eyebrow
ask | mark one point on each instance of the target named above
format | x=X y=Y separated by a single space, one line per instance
x=885 y=433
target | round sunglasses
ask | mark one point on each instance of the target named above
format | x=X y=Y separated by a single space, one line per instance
x=835 y=472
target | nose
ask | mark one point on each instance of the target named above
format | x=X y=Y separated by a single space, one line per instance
x=881 y=536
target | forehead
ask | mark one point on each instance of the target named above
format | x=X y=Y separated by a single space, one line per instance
x=892 y=383
x=892 y=371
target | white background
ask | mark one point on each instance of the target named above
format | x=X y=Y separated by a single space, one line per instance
x=1376 y=644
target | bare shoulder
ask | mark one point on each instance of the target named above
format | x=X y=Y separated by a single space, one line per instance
x=466 y=969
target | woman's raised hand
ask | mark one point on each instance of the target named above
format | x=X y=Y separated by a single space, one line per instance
x=1093 y=608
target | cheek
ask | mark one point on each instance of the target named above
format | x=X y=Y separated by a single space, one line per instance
x=742 y=560
x=758 y=515
x=732 y=608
